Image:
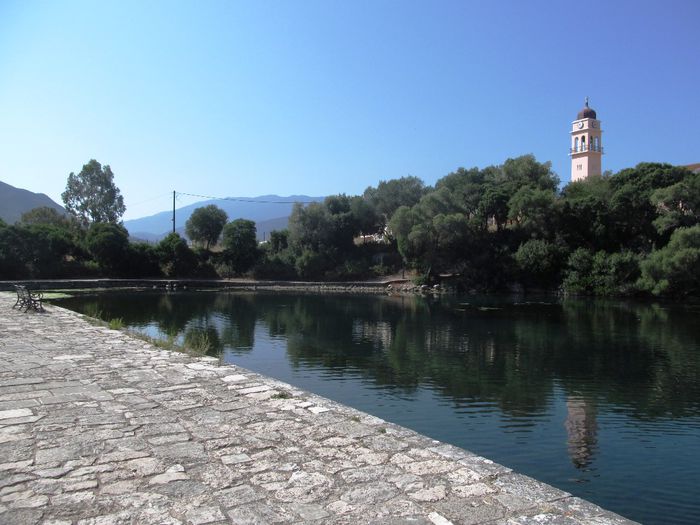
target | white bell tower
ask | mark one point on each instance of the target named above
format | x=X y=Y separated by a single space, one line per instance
x=586 y=149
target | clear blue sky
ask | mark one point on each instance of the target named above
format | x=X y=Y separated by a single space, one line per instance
x=320 y=97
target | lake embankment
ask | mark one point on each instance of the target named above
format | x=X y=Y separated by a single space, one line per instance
x=359 y=287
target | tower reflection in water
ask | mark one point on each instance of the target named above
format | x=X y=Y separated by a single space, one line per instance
x=582 y=431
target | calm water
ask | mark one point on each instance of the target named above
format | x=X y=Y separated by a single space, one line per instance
x=601 y=399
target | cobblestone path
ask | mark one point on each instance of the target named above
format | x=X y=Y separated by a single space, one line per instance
x=98 y=427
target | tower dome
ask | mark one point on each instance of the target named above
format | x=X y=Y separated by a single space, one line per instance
x=586 y=112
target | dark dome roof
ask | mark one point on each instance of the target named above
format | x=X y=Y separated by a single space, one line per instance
x=586 y=112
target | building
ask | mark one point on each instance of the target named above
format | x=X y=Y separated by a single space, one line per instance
x=586 y=149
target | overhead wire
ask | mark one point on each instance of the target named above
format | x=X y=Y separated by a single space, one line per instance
x=150 y=199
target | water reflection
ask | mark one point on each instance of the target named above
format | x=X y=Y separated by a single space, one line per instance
x=624 y=354
x=581 y=428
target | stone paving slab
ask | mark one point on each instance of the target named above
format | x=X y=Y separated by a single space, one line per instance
x=100 y=428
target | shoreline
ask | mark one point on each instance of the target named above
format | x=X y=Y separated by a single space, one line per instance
x=359 y=287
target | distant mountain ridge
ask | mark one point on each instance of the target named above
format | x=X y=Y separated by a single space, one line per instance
x=16 y=201
x=269 y=212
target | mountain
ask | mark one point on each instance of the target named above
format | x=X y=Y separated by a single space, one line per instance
x=269 y=212
x=16 y=201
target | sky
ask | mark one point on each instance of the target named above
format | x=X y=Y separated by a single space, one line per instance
x=319 y=97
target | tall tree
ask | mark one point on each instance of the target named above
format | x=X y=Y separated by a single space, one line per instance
x=633 y=208
x=532 y=210
x=205 y=225
x=279 y=240
x=91 y=195
x=310 y=227
x=240 y=244
x=390 y=195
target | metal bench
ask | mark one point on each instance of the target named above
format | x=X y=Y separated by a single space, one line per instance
x=27 y=299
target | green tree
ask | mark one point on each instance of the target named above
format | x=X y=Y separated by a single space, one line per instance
x=633 y=211
x=390 y=195
x=601 y=273
x=175 y=257
x=47 y=248
x=143 y=261
x=400 y=226
x=433 y=243
x=109 y=244
x=240 y=245
x=327 y=227
x=44 y=215
x=310 y=227
x=312 y=264
x=673 y=270
x=205 y=225
x=55 y=240
x=586 y=219
x=37 y=250
x=92 y=196
x=365 y=216
x=12 y=263
x=279 y=240
x=540 y=263
x=526 y=171
x=458 y=192
x=616 y=273
x=533 y=210
x=677 y=205
x=579 y=277
x=275 y=266
x=494 y=204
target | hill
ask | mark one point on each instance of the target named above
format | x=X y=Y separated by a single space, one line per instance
x=269 y=212
x=16 y=201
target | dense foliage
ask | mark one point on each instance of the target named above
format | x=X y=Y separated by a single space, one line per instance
x=505 y=227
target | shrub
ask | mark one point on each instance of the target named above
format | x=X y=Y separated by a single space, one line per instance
x=275 y=267
x=673 y=270
x=311 y=265
x=175 y=257
x=109 y=245
x=540 y=262
x=601 y=273
x=143 y=261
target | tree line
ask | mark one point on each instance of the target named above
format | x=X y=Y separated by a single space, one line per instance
x=503 y=227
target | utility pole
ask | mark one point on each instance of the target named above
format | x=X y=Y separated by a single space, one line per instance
x=173 y=211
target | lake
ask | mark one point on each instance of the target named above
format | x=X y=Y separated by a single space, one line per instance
x=598 y=398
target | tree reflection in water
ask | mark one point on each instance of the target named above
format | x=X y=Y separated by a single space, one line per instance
x=643 y=356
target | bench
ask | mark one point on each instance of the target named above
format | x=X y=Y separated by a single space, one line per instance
x=27 y=299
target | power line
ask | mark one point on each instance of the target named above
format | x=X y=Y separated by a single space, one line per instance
x=150 y=199
x=177 y=193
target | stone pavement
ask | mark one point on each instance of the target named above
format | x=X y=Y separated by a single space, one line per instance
x=98 y=427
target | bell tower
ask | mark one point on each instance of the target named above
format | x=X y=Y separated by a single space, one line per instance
x=586 y=149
